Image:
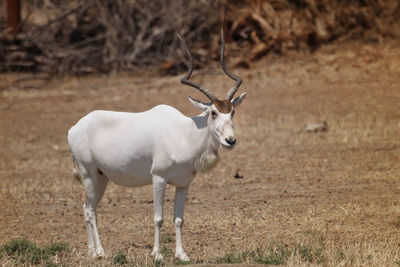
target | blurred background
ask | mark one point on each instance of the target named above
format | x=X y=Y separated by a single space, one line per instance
x=90 y=36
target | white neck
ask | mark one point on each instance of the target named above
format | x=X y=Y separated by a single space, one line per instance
x=206 y=144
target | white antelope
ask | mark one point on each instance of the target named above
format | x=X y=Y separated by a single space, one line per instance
x=159 y=146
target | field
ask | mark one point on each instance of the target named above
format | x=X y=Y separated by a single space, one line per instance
x=329 y=198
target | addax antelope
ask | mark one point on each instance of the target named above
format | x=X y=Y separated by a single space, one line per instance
x=159 y=146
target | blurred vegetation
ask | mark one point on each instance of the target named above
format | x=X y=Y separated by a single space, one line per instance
x=77 y=36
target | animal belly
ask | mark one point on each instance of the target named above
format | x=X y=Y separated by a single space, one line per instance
x=131 y=180
x=134 y=174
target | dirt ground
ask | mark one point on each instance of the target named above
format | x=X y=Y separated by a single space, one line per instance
x=337 y=190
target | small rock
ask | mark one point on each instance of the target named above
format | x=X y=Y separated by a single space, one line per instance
x=315 y=127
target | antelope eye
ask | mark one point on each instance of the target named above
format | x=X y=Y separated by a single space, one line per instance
x=213 y=114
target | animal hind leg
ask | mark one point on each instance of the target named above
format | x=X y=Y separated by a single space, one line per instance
x=95 y=185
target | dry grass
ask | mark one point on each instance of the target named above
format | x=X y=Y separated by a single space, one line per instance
x=333 y=194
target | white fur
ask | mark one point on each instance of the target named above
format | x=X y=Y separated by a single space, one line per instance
x=207 y=161
x=156 y=147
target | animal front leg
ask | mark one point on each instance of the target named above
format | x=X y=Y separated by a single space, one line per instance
x=180 y=198
x=159 y=184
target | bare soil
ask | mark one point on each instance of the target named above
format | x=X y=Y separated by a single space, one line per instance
x=337 y=189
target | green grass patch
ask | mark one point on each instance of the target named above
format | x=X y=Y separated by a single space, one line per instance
x=231 y=258
x=273 y=255
x=310 y=254
x=120 y=258
x=178 y=262
x=22 y=251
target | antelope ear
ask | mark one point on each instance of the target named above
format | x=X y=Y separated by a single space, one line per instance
x=238 y=100
x=198 y=104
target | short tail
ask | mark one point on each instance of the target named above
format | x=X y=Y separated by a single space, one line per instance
x=75 y=169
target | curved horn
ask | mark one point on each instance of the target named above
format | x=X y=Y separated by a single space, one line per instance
x=238 y=80
x=185 y=79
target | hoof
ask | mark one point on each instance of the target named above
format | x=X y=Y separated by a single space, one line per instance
x=157 y=256
x=101 y=255
x=182 y=257
x=97 y=254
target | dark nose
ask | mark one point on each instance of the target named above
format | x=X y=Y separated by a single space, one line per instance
x=231 y=140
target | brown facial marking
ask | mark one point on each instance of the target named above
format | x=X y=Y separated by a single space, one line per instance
x=223 y=106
